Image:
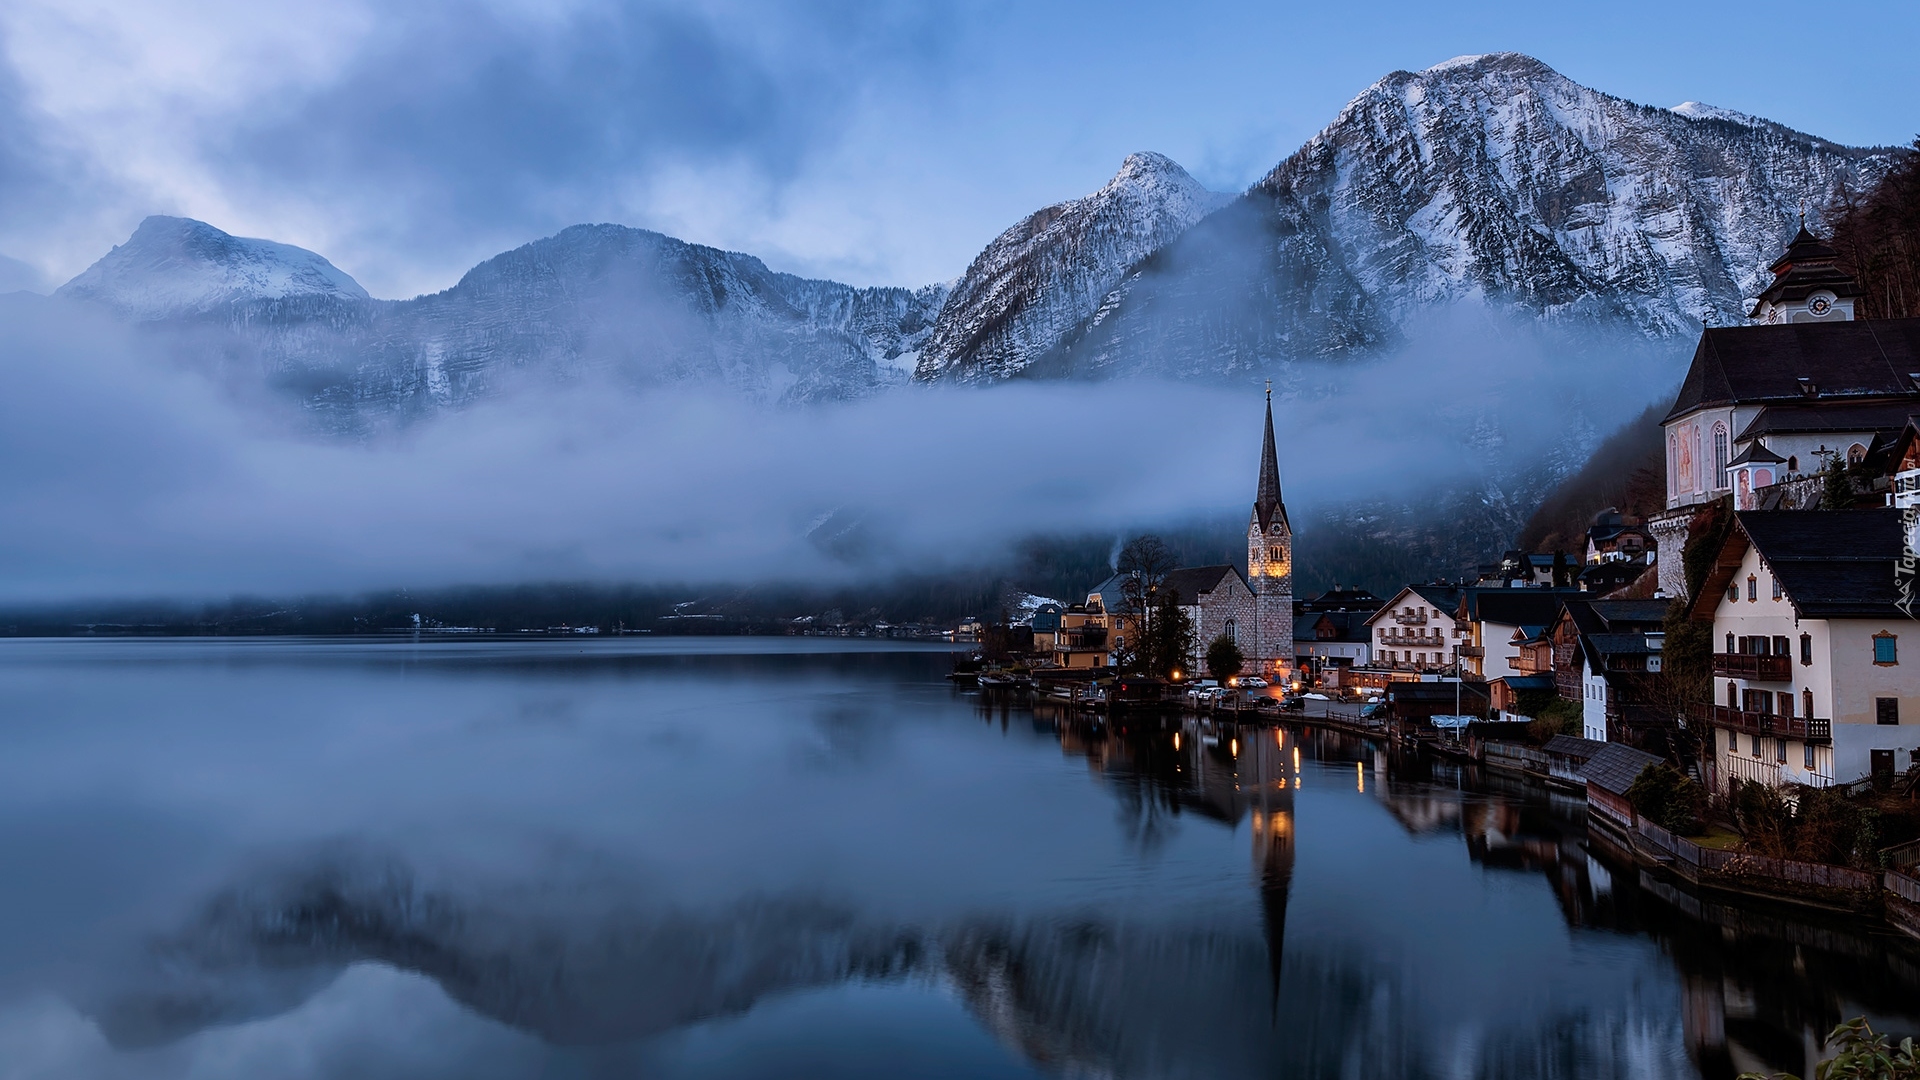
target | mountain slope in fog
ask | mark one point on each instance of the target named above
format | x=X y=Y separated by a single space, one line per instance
x=648 y=309
x=1486 y=178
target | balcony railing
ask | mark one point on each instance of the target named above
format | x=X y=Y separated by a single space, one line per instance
x=1408 y=618
x=1413 y=640
x=1749 y=666
x=1809 y=729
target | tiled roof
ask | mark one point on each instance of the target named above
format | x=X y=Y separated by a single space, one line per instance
x=1515 y=607
x=1813 y=419
x=1572 y=746
x=1830 y=562
x=1856 y=358
x=1193 y=582
x=1615 y=766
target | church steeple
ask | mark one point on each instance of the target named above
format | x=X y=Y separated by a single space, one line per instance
x=1267 y=502
x=1808 y=284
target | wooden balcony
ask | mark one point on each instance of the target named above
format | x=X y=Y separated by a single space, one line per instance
x=1749 y=666
x=1805 y=728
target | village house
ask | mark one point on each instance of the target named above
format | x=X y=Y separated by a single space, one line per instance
x=1329 y=643
x=1416 y=632
x=1602 y=653
x=1764 y=403
x=1812 y=686
x=1614 y=536
x=1492 y=617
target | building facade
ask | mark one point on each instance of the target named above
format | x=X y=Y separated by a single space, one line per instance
x=1417 y=632
x=1812 y=684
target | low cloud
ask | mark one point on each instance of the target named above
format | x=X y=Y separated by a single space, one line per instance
x=129 y=476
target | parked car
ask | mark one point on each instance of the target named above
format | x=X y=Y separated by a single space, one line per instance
x=1253 y=682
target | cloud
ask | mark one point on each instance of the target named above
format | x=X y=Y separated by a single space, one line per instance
x=129 y=476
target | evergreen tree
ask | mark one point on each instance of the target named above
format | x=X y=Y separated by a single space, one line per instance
x=1224 y=658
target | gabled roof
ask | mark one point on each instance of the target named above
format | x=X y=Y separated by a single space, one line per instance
x=1615 y=766
x=1338 y=599
x=1348 y=626
x=1572 y=746
x=1757 y=364
x=1830 y=418
x=1112 y=592
x=1442 y=598
x=1831 y=563
x=1526 y=682
x=1620 y=616
x=1193 y=582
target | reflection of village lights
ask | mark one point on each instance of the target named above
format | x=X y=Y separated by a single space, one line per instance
x=1296 y=759
x=1176 y=740
x=1234 y=747
x=1360 y=775
x=1279 y=739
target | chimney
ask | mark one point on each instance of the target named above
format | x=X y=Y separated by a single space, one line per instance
x=1807 y=388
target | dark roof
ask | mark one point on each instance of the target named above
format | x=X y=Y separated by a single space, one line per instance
x=1445 y=598
x=1266 y=501
x=1527 y=682
x=1350 y=626
x=1849 y=359
x=1112 y=592
x=1193 y=582
x=1514 y=607
x=1756 y=453
x=1620 y=616
x=1836 y=417
x=1615 y=644
x=1831 y=563
x=1572 y=746
x=1615 y=766
x=1338 y=599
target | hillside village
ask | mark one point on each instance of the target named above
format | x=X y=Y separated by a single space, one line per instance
x=1742 y=646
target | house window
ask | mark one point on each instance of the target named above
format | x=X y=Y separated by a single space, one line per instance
x=1793 y=466
x=1753 y=588
x=1780 y=750
x=1785 y=700
x=1780 y=647
x=1755 y=745
x=1884 y=649
x=1733 y=694
x=1729 y=644
x=1733 y=594
x=1806 y=648
x=1778 y=592
x=1720 y=454
x=1809 y=756
x=1886 y=710
x=1806 y=703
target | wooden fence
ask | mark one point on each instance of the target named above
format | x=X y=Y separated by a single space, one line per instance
x=1732 y=862
x=1901 y=856
x=1903 y=886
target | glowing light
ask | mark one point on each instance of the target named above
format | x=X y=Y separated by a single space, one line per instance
x=1278 y=739
x=1296 y=759
x=1360 y=775
x=1176 y=675
x=1176 y=740
x=1234 y=747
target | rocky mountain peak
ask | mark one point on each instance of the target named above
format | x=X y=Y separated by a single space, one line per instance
x=175 y=266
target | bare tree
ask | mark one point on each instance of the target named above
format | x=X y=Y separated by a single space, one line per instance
x=1146 y=561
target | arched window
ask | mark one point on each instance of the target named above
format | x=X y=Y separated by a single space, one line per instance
x=1720 y=455
x=1856 y=454
x=1229 y=631
x=1793 y=463
x=1729 y=644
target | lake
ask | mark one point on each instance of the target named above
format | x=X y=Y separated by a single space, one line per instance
x=748 y=857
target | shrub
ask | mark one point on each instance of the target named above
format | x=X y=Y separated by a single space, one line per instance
x=1667 y=797
x=1860 y=1055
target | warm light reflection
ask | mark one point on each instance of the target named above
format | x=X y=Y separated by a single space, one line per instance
x=1176 y=740
x=1296 y=759
x=1360 y=776
x=1278 y=739
x=1234 y=747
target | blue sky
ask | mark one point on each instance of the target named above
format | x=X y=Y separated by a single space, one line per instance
x=867 y=141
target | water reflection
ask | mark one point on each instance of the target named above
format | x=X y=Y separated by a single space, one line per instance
x=614 y=859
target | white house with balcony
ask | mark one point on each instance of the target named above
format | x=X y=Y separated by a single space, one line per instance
x=1416 y=631
x=1816 y=664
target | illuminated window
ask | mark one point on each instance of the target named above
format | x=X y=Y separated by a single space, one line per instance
x=1884 y=648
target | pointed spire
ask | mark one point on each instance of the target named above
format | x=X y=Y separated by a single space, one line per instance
x=1267 y=502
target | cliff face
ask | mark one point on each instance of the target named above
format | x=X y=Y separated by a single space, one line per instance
x=1038 y=280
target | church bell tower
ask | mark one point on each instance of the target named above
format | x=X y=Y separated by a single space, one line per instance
x=1270 y=566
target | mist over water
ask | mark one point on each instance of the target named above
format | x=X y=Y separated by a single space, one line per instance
x=137 y=470
x=740 y=857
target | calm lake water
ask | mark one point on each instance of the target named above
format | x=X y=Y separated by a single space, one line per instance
x=786 y=858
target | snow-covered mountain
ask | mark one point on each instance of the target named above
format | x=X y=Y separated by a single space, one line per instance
x=180 y=267
x=646 y=309
x=1035 y=282
x=1489 y=178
